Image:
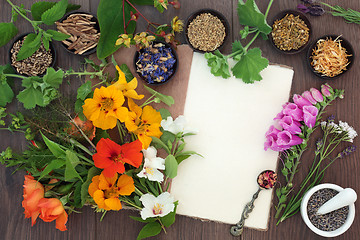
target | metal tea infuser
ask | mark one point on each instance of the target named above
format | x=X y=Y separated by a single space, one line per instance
x=265 y=180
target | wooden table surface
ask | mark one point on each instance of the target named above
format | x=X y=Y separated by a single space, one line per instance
x=118 y=225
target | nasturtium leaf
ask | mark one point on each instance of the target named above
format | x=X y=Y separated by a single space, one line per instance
x=84 y=90
x=250 y=66
x=168 y=100
x=218 y=64
x=31 y=43
x=250 y=15
x=38 y=8
x=164 y=113
x=53 y=14
x=57 y=36
x=126 y=70
x=237 y=47
x=149 y=230
x=31 y=97
x=53 y=78
x=171 y=166
x=7 y=32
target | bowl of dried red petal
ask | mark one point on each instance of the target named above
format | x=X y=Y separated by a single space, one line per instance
x=84 y=32
x=330 y=56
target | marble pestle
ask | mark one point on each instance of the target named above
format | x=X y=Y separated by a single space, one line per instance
x=342 y=199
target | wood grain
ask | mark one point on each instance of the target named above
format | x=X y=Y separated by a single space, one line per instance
x=117 y=225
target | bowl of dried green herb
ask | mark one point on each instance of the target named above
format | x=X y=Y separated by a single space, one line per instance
x=291 y=32
x=206 y=30
x=331 y=224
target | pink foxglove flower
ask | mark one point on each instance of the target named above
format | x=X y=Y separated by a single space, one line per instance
x=292 y=110
x=316 y=94
x=271 y=137
x=326 y=90
x=310 y=114
x=286 y=140
x=300 y=101
x=290 y=125
x=308 y=96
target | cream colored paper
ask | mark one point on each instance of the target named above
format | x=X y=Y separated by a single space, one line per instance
x=232 y=118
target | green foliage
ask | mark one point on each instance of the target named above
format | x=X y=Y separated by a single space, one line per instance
x=7 y=32
x=57 y=36
x=161 y=5
x=38 y=8
x=168 y=100
x=53 y=14
x=6 y=93
x=84 y=90
x=71 y=162
x=218 y=64
x=169 y=219
x=149 y=230
x=350 y=15
x=164 y=113
x=250 y=15
x=31 y=43
x=171 y=166
x=126 y=70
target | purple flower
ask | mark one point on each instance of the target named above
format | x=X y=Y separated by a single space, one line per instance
x=270 y=143
x=286 y=140
x=300 y=101
x=292 y=110
x=308 y=96
x=290 y=125
x=326 y=90
x=303 y=8
x=310 y=114
x=316 y=10
x=316 y=94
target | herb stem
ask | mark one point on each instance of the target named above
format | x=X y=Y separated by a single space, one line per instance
x=138 y=192
x=140 y=13
x=252 y=40
x=268 y=8
x=14 y=75
x=16 y=8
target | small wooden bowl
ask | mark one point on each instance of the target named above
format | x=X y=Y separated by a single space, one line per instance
x=344 y=43
x=214 y=13
x=302 y=17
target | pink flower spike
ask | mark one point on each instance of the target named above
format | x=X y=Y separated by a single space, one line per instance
x=288 y=124
x=308 y=96
x=286 y=139
x=310 y=114
x=316 y=94
x=293 y=111
x=326 y=90
x=272 y=132
x=270 y=143
x=300 y=101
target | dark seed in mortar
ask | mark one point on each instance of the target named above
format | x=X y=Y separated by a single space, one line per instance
x=330 y=221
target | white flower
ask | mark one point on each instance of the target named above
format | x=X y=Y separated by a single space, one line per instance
x=177 y=126
x=350 y=130
x=156 y=206
x=151 y=166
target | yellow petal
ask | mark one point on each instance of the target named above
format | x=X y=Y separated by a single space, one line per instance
x=122 y=113
x=150 y=115
x=145 y=140
x=91 y=109
x=94 y=186
x=119 y=41
x=100 y=199
x=126 y=185
x=113 y=204
x=153 y=130
x=105 y=123
x=122 y=77
x=133 y=94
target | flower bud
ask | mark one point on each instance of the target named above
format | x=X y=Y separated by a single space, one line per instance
x=300 y=101
x=316 y=94
x=308 y=96
x=326 y=90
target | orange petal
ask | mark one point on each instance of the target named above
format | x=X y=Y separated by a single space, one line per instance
x=113 y=204
x=126 y=185
x=61 y=221
x=106 y=182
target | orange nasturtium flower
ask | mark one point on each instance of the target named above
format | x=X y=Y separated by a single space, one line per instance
x=52 y=209
x=111 y=156
x=127 y=88
x=33 y=193
x=105 y=107
x=105 y=191
x=143 y=122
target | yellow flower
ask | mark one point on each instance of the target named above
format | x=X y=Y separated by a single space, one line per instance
x=144 y=123
x=176 y=24
x=105 y=191
x=124 y=39
x=105 y=107
x=127 y=88
x=143 y=39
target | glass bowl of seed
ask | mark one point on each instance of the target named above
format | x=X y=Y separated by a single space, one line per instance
x=330 y=56
x=331 y=224
x=156 y=64
x=206 y=30
x=37 y=63
x=291 y=32
x=84 y=31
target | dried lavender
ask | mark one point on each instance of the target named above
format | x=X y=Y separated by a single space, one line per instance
x=156 y=63
x=311 y=8
x=330 y=221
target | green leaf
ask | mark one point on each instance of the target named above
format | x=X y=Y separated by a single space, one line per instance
x=50 y=16
x=53 y=78
x=218 y=64
x=57 y=36
x=168 y=100
x=169 y=219
x=72 y=7
x=167 y=137
x=54 y=164
x=139 y=219
x=164 y=113
x=126 y=70
x=31 y=97
x=250 y=15
x=31 y=43
x=143 y=2
x=171 y=166
x=250 y=66
x=237 y=47
x=7 y=32
x=84 y=90
x=161 y=143
x=71 y=161
x=149 y=230
x=38 y=8
x=54 y=147
x=93 y=171
x=77 y=194
x=111 y=22
x=182 y=157
x=6 y=94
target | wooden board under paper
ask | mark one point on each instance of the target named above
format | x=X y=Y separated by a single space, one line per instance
x=232 y=118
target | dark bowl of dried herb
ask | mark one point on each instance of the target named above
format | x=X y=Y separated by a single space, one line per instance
x=291 y=32
x=206 y=30
x=84 y=31
x=331 y=224
x=37 y=63
x=156 y=64
x=330 y=56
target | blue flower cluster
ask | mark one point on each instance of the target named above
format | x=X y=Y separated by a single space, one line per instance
x=156 y=63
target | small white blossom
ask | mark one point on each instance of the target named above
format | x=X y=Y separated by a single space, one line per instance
x=177 y=126
x=156 y=206
x=351 y=133
x=152 y=166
